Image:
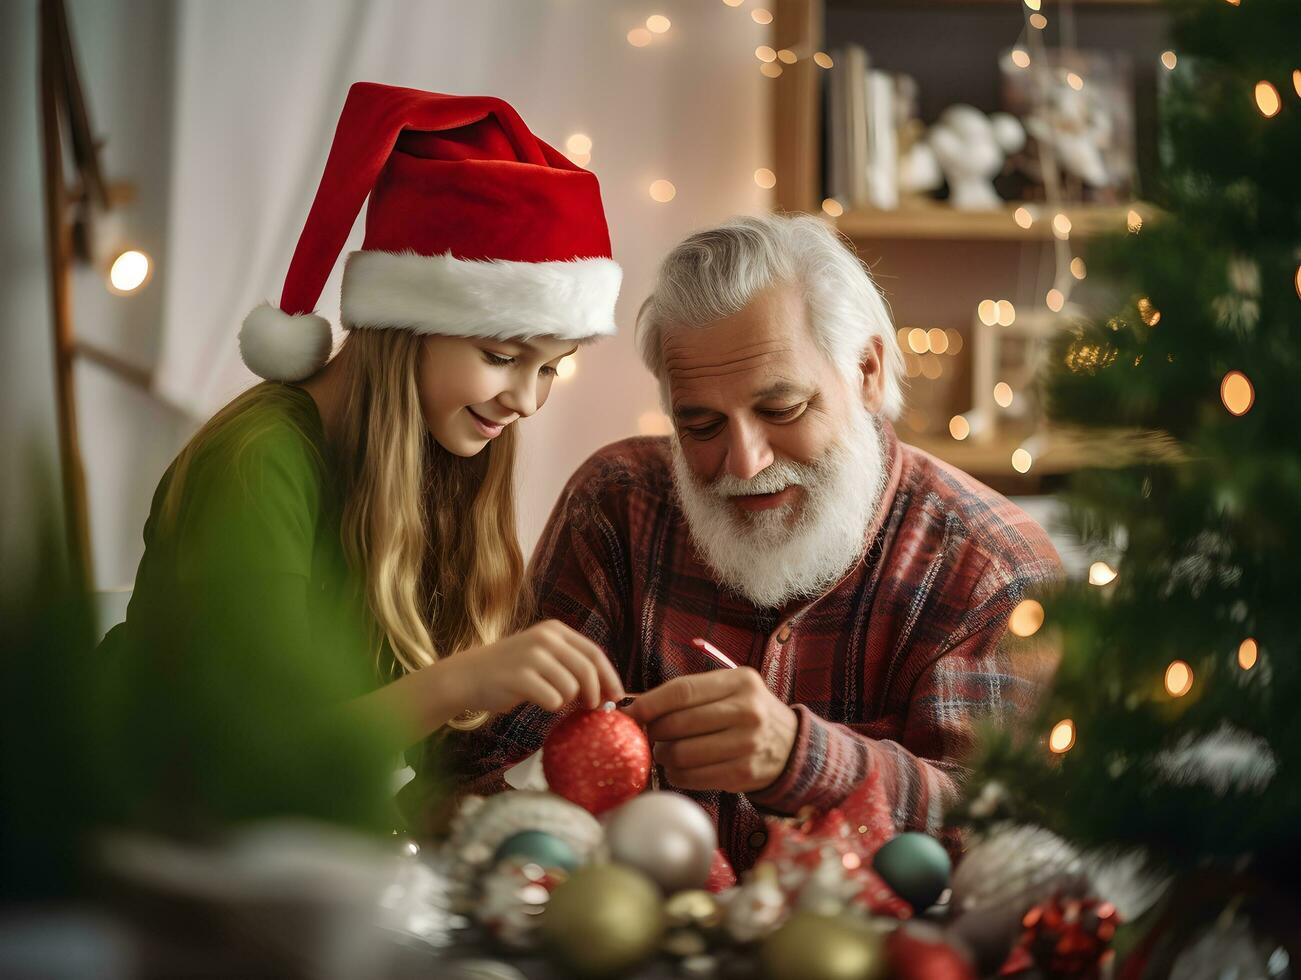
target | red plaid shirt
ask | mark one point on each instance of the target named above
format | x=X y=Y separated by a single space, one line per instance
x=889 y=671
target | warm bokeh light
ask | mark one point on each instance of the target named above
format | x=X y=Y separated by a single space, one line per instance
x=579 y=144
x=1236 y=393
x=1078 y=269
x=128 y=271
x=1023 y=217
x=787 y=57
x=765 y=53
x=823 y=60
x=1149 y=313
x=1034 y=4
x=1268 y=101
x=760 y=15
x=1134 y=221
x=832 y=207
x=1248 y=653
x=1038 y=21
x=1061 y=226
x=917 y=341
x=937 y=340
x=1298 y=282
x=639 y=37
x=955 y=341
x=1056 y=299
x=1100 y=573
x=959 y=427
x=1022 y=460
x=1178 y=679
x=1021 y=57
x=566 y=369
x=772 y=70
x=1062 y=737
x=582 y=159
x=1026 y=618
x=658 y=23
x=734 y=3
x=765 y=178
x=1296 y=81
x=1003 y=394
x=988 y=312
x=1006 y=313
x=1074 y=81
x=932 y=367
x=654 y=423
x=1169 y=59
x=663 y=191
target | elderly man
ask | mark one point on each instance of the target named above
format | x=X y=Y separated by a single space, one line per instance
x=862 y=586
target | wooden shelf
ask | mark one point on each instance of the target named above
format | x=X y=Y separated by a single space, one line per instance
x=937 y=221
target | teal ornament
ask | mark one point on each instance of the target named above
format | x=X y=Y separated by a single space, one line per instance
x=539 y=847
x=916 y=866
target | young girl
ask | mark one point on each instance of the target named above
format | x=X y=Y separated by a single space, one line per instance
x=359 y=513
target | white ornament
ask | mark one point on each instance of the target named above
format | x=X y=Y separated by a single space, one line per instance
x=666 y=835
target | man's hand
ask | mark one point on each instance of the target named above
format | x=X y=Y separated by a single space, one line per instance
x=720 y=730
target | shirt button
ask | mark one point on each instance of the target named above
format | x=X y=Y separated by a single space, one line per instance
x=758 y=839
x=784 y=635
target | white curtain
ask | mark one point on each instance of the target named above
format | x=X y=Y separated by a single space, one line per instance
x=259 y=87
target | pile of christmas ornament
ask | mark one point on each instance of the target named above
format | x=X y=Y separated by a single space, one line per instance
x=602 y=877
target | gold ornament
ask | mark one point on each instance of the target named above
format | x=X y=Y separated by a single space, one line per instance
x=823 y=947
x=604 y=920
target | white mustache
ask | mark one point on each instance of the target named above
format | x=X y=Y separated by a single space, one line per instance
x=776 y=478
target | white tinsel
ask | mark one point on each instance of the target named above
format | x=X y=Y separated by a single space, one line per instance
x=1227 y=759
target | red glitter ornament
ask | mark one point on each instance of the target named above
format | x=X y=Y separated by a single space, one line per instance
x=597 y=759
x=1067 y=938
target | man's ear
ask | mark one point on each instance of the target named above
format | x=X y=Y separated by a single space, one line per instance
x=871 y=368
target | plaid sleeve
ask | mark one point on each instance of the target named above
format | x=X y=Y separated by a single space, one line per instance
x=974 y=678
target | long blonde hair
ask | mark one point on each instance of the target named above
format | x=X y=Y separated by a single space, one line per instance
x=431 y=534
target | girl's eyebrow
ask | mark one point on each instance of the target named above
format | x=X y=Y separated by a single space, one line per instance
x=532 y=349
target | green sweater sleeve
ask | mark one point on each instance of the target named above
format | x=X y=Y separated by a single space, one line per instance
x=225 y=648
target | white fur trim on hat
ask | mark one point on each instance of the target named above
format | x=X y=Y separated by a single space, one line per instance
x=281 y=347
x=440 y=294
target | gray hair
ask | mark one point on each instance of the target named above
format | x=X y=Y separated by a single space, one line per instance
x=717 y=272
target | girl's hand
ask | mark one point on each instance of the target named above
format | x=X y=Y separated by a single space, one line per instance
x=548 y=664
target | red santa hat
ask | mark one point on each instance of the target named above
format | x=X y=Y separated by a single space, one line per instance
x=476 y=228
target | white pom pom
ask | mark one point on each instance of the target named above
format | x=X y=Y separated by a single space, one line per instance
x=281 y=347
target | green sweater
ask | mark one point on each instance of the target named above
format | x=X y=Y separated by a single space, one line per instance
x=247 y=627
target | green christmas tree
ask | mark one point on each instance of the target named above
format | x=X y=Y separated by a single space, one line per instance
x=1173 y=724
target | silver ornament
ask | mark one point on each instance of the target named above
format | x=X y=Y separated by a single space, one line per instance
x=1013 y=865
x=667 y=836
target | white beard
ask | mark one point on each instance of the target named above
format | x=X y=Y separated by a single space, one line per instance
x=764 y=556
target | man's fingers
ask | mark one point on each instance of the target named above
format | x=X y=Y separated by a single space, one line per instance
x=700 y=719
x=682 y=692
x=725 y=776
x=704 y=750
